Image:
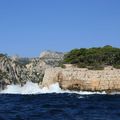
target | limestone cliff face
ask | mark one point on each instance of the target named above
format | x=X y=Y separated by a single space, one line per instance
x=84 y=79
x=51 y=55
x=16 y=70
x=11 y=72
x=38 y=66
x=44 y=70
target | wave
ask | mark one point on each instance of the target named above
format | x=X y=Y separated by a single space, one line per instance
x=33 y=88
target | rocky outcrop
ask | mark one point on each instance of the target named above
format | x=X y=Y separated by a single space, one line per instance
x=16 y=70
x=51 y=55
x=12 y=72
x=45 y=71
x=82 y=79
x=38 y=66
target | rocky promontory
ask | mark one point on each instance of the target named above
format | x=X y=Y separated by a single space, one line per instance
x=82 y=79
x=17 y=70
x=94 y=69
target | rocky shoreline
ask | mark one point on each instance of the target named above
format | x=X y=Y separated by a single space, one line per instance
x=15 y=70
x=45 y=71
x=82 y=79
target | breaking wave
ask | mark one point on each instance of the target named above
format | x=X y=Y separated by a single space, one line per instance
x=33 y=88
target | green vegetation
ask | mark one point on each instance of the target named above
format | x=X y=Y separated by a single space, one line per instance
x=2 y=55
x=94 y=58
x=61 y=64
x=24 y=61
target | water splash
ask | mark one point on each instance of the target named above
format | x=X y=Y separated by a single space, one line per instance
x=33 y=88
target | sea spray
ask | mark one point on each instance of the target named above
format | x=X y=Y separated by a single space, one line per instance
x=31 y=88
x=34 y=88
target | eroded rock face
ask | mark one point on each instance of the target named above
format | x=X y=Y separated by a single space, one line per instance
x=44 y=71
x=46 y=60
x=16 y=70
x=11 y=72
x=84 y=79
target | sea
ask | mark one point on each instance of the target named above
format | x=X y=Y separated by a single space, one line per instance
x=31 y=102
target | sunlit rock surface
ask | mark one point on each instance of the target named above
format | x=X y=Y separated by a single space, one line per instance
x=83 y=79
x=44 y=71
x=17 y=70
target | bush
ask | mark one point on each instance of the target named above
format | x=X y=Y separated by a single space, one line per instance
x=81 y=65
x=116 y=66
x=95 y=68
x=62 y=66
x=94 y=57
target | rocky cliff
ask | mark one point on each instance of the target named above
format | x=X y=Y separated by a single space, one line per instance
x=16 y=70
x=11 y=72
x=82 y=79
x=44 y=70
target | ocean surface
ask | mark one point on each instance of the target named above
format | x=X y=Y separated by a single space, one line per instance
x=63 y=106
x=54 y=104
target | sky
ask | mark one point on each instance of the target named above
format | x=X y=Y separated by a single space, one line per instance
x=28 y=27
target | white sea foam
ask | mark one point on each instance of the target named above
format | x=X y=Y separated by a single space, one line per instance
x=33 y=88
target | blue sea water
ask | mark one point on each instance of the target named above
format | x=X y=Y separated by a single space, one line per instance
x=63 y=106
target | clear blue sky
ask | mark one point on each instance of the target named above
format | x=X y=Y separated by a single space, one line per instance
x=28 y=27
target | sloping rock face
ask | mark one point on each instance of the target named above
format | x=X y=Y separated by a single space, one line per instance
x=83 y=79
x=12 y=72
x=46 y=60
x=16 y=70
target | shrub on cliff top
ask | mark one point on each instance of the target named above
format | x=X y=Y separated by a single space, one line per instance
x=95 y=57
